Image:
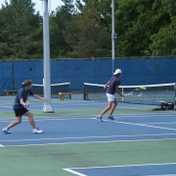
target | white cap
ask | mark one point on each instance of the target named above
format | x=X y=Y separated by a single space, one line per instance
x=117 y=71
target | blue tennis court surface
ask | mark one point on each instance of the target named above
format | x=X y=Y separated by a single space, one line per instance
x=75 y=123
x=133 y=170
x=87 y=129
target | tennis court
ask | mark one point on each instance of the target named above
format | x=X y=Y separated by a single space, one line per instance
x=138 y=142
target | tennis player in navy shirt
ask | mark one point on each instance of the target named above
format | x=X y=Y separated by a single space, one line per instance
x=20 y=109
x=112 y=88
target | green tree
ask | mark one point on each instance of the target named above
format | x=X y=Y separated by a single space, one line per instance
x=21 y=34
x=164 y=41
x=58 y=21
x=137 y=20
x=146 y=27
x=86 y=35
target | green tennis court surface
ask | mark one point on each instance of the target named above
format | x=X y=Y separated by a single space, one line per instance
x=74 y=140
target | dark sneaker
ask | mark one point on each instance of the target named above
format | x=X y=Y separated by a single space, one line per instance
x=111 y=118
x=6 y=131
x=100 y=119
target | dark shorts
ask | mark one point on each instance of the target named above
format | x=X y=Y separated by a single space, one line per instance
x=20 y=112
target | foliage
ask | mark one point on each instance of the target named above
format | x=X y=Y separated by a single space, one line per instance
x=82 y=28
x=20 y=33
x=86 y=35
x=164 y=41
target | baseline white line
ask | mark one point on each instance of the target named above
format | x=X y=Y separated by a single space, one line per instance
x=92 y=137
x=5 y=106
x=162 y=123
x=122 y=166
x=92 y=117
x=73 y=172
x=52 y=119
x=91 y=142
x=1 y=145
x=144 y=125
x=161 y=175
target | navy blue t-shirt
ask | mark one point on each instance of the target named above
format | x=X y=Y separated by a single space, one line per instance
x=22 y=94
x=114 y=81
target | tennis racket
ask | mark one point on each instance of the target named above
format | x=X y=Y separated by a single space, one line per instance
x=136 y=92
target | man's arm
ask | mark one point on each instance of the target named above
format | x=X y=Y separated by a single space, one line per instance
x=106 y=85
x=39 y=97
x=119 y=92
x=23 y=103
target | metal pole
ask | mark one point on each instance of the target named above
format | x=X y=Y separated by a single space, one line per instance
x=114 y=35
x=175 y=93
x=13 y=76
x=47 y=80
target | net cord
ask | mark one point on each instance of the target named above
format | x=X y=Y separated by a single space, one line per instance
x=133 y=86
x=56 y=84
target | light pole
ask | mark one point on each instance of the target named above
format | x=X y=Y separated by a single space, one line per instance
x=113 y=35
x=46 y=41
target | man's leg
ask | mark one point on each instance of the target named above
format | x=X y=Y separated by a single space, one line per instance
x=113 y=107
x=31 y=119
x=12 y=124
x=32 y=123
x=107 y=108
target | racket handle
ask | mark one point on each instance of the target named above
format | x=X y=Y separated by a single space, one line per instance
x=27 y=102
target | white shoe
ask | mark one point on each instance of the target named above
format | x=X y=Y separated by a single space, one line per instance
x=37 y=131
x=100 y=118
x=6 y=131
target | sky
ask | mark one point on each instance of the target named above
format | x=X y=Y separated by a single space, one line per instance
x=53 y=4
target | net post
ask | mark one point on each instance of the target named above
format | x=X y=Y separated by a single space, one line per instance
x=84 y=93
x=175 y=93
x=70 y=89
x=123 y=94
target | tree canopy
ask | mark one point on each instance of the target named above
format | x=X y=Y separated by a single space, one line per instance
x=82 y=29
x=20 y=34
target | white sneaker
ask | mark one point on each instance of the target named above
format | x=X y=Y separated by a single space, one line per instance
x=37 y=131
x=6 y=131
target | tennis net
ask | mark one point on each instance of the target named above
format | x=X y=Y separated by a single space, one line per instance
x=154 y=93
x=55 y=88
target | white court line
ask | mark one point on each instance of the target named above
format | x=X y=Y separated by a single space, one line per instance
x=71 y=170
x=52 y=119
x=144 y=125
x=118 y=116
x=91 y=142
x=161 y=175
x=122 y=166
x=93 y=117
x=92 y=137
x=140 y=124
x=74 y=172
x=162 y=123
x=1 y=145
x=5 y=106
